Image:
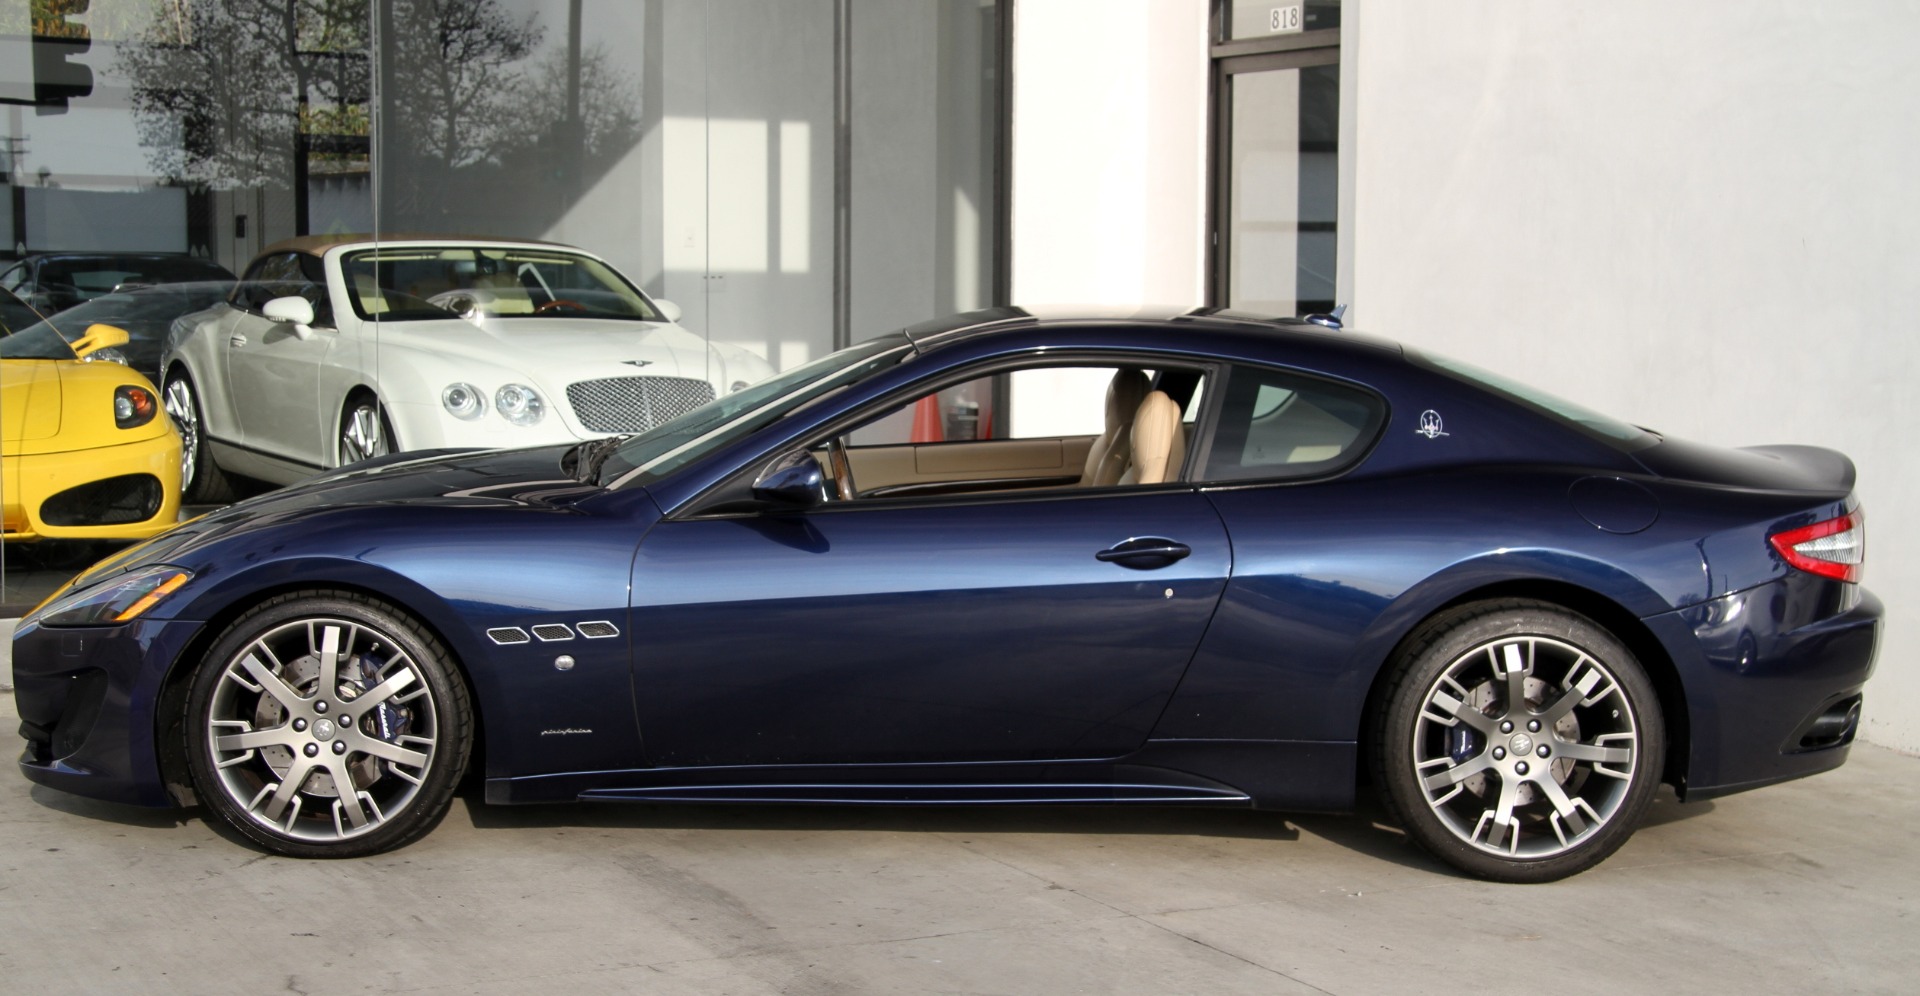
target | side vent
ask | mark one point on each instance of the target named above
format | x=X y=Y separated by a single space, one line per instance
x=507 y=636
x=552 y=632
x=599 y=629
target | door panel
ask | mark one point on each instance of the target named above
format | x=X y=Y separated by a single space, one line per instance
x=276 y=387
x=960 y=632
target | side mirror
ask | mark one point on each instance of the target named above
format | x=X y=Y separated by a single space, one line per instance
x=99 y=337
x=794 y=480
x=668 y=310
x=297 y=311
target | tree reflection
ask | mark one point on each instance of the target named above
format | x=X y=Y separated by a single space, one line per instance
x=241 y=93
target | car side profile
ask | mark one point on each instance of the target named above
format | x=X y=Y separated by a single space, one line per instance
x=420 y=343
x=1275 y=566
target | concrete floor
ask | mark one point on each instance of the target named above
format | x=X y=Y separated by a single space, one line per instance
x=1812 y=886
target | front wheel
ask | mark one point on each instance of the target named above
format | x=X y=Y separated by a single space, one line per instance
x=364 y=431
x=327 y=724
x=1519 y=741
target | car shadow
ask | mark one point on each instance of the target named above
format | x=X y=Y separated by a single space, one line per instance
x=111 y=812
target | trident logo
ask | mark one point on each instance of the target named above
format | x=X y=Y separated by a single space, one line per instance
x=1430 y=424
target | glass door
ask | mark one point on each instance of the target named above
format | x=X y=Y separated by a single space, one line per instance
x=1276 y=123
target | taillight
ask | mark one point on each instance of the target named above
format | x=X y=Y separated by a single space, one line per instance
x=1832 y=549
x=133 y=406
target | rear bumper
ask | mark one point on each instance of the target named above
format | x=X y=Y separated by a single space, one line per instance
x=1773 y=678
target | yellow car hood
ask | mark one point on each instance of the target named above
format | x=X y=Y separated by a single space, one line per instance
x=29 y=401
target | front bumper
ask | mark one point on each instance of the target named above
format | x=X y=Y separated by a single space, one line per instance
x=44 y=492
x=89 y=699
x=1773 y=678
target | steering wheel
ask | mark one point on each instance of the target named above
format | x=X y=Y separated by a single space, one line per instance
x=842 y=471
x=560 y=302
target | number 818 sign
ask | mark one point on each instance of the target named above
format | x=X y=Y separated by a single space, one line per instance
x=1284 y=20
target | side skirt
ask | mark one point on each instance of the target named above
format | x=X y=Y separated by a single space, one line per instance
x=1266 y=774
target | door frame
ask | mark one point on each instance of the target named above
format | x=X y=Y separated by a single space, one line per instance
x=1228 y=59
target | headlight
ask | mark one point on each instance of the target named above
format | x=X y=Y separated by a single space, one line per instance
x=736 y=386
x=464 y=401
x=133 y=406
x=519 y=404
x=121 y=600
x=107 y=355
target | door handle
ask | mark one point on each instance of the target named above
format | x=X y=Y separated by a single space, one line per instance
x=1144 y=552
x=236 y=340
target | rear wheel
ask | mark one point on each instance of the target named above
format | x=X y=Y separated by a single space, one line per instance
x=1519 y=741
x=327 y=724
x=201 y=480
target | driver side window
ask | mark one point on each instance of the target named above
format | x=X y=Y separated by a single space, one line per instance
x=1026 y=430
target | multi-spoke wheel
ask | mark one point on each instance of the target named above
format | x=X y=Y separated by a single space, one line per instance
x=201 y=480
x=1520 y=741
x=326 y=724
x=364 y=432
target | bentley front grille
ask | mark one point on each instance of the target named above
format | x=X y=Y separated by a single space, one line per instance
x=630 y=404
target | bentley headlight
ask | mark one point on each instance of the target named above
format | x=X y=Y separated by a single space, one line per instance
x=123 y=599
x=464 y=401
x=519 y=404
x=738 y=385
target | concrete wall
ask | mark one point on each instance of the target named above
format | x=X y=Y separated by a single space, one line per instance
x=1109 y=150
x=1700 y=217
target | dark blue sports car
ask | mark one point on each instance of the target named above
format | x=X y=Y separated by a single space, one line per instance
x=1276 y=564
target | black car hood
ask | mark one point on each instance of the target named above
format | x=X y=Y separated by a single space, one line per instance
x=530 y=478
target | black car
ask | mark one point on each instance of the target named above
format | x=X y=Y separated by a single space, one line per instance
x=146 y=313
x=56 y=281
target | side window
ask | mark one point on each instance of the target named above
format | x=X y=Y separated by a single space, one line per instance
x=13 y=279
x=287 y=274
x=1276 y=424
x=1041 y=427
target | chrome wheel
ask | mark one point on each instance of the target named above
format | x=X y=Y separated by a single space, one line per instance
x=186 y=418
x=326 y=724
x=1525 y=747
x=364 y=433
x=1520 y=742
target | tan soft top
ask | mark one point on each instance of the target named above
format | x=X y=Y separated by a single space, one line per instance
x=314 y=245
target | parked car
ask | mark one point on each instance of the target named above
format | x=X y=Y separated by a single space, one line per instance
x=335 y=349
x=146 y=314
x=85 y=452
x=54 y=281
x=1281 y=562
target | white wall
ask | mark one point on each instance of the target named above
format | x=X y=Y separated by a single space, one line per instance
x=1109 y=151
x=1700 y=217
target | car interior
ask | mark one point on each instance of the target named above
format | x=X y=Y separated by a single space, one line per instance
x=961 y=440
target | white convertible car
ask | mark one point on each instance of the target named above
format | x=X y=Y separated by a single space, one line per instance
x=333 y=349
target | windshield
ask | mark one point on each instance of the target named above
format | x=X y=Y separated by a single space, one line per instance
x=40 y=342
x=661 y=450
x=436 y=282
x=1630 y=437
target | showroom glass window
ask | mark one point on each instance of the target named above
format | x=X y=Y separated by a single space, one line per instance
x=794 y=175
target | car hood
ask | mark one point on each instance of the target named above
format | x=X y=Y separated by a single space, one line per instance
x=526 y=478
x=657 y=348
x=29 y=400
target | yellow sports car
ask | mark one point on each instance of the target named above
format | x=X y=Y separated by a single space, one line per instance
x=86 y=450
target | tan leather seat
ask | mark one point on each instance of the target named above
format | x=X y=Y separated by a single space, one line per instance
x=1112 y=450
x=1159 y=442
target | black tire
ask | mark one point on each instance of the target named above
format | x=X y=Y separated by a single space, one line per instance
x=1518 y=741
x=365 y=432
x=256 y=719
x=202 y=482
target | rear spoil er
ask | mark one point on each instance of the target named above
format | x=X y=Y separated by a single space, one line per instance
x=1298 y=776
x=1771 y=695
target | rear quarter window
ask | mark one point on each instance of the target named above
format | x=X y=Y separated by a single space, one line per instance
x=1277 y=424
